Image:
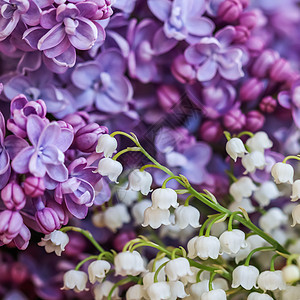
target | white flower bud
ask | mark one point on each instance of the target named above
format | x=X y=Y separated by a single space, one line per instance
x=295 y=190
x=192 y=252
x=266 y=192
x=159 y=291
x=97 y=270
x=246 y=204
x=214 y=294
x=138 y=211
x=273 y=218
x=242 y=188
x=197 y=289
x=282 y=173
x=258 y=296
x=232 y=241
x=164 y=198
x=106 y=144
x=109 y=167
x=155 y=217
x=115 y=216
x=259 y=142
x=126 y=196
x=220 y=283
x=140 y=181
x=177 y=268
x=296 y=215
x=205 y=247
x=75 y=280
x=290 y=273
x=235 y=148
x=271 y=281
x=187 y=215
x=56 y=242
x=102 y=290
x=245 y=276
x=129 y=263
x=98 y=219
x=252 y=161
x=136 y=292
x=177 y=290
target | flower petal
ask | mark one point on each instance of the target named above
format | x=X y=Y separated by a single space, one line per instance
x=21 y=161
x=57 y=172
x=34 y=128
x=52 y=38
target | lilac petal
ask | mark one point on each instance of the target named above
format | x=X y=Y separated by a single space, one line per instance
x=4 y=161
x=226 y=35
x=14 y=145
x=194 y=173
x=66 y=11
x=53 y=66
x=85 y=194
x=17 y=85
x=48 y=18
x=106 y=104
x=285 y=100
x=57 y=172
x=207 y=70
x=30 y=61
x=87 y=9
x=2 y=124
x=200 y=153
x=193 y=56
x=52 y=155
x=33 y=35
x=66 y=59
x=160 y=8
x=78 y=211
x=111 y=61
x=85 y=75
x=230 y=67
x=200 y=26
x=85 y=98
x=296 y=116
x=118 y=41
x=53 y=99
x=121 y=89
x=103 y=192
x=85 y=35
x=34 y=127
x=49 y=135
x=22 y=239
x=52 y=38
x=8 y=25
x=20 y=162
x=190 y=8
x=4 y=178
x=36 y=165
x=65 y=139
x=32 y=16
x=58 y=49
x=162 y=44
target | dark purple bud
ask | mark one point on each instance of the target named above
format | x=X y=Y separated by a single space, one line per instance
x=77 y=120
x=47 y=220
x=34 y=186
x=10 y=225
x=230 y=10
x=18 y=272
x=65 y=125
x=242 y=34
x=255 y=120
x=168 y=97
x=86 y=138
x=268 y=105
x=13 y=196
x=122 y=238
x=281 y=70
x=211 y=131
x=251 y=89
x=255 y=45
x=182 y=71
x=234 y=120
x=263 y=63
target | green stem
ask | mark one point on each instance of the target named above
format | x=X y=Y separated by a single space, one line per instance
x=121 y=282
x=85 y=260
x=211 y=278
x=143 y=168
x=247 y=262
x=233 y=215
x=158 y=270
x=128 y=149
x=201 y=232
x=168 y=179
x=187 y=200
x=173 y=255
x=290 y=157
x=227 y=135
x=291 y=258
x=108 y=255
x=198 y=276
x=212 y=223
x=272 y=264
x=245 y=133
x=127 y=135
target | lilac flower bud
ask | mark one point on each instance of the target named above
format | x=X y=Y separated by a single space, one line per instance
x=86 y=138
x=211 y=131
x=250 y=19
x=64 y=125
x=10 y=225
x=47 y=219
x=13 y=196
x=77 y=120
x=22 y=239
x=183 y=71
x=230 y=10
x=268 y=105
x=234 y=120
x=255 y=120
x=263 y=63
x=34 y=186
x=245 y=3
x=242 y=34
x=281 y=70
x=168 y=96
x=255 y=45
x=251 y=89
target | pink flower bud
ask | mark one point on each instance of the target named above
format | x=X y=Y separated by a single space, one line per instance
x=47 y=220
x=254 y=120
x=10 y=225
x=250 y=19
x=168 y=97
x=34 y=186
x=13 y=196
x=281 y=70
x=183 y=71
x=211 y=131
x=230 y=10
x=234 y=120
x=242 y=34
x=255 y=45
x=268 y=105
x=65 y=125
x=251 y=89
x=77 y=120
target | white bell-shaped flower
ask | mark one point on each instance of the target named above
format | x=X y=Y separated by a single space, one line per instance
x=190 y=278
x=214 y=294
x=177 y=268
x=296 y=215
x=271 y=281
x=245 y=276
x=115 y=216
x=107 y=145
x=56 y=242
x=187 y=215
x=138 y=211
x=102 y=290
x=98 y=219
x=259 y=296
x=266 y=192
x=220 y=283
x=192 y=252
x=164 y=198
x=97 y=270
x=259 y=142
x=159 y=291
x=75 y=280
x=126 y=196
x=235 y=148
x=136 y=292
x=282 y=173
x=148 y=278
x=246 y=204
x=161 y=275
x=129 y=263
x=290 y=273
x=295 y=190
x=272 y=219
x=207 y=247
x=252 y=161
x=155 y=217
x=109 y=167
x=242 y=188
x=140 y=181
x=232 y=241
x=197 y=289
x=177 y=290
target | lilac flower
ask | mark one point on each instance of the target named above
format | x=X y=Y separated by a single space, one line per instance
x=212 y=55
x=45 y=156
x=182 y=19
x=102 y=82
x=10 y=225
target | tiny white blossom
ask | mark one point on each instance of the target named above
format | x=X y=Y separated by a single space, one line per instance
x=232 y=241
x=102 y=290
x=252 y=161
x=197 y=289
x=214 y=294
x=109 y=167
x=177 y=290
x=75 y=280
x=271 y=281
x=258 y=296
x=235 y=148
x=282 y=173
x=177 y=268
x=187 y=215
x=245 y=276
x=295 y=190
x=164 y=198
x=140 y=181
x=220 y=283
x=290 y=273
x=296 y=215
x=205 y=247
x=126 y=196
x=97 y=270
x=159 y=291
x=136 y=292
x=155 y=217
x=107 y=145
x=273 y=219
x=259 y=142
x=115 y=216
x=242 y=188
x=149 y=277
x=129 y=263
x=190 y=278
x=138 y=210
x=56 y=242
x=266 y=192
x=246 y=204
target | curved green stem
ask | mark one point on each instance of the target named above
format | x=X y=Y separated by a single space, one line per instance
x=127 y=135
x=158 y=270
x=233 y=215
x=212 y=223
x=211 y=278
x=272 y=264
x=108 y=255
x=85 y=260
x=227 y=135
x=187 y=200
x=290 y=157
x=249 y=133
x=143 y=168
x=201 y=232
x=198 y=276
x=247 y=262
x=128 y=149
x=168 y=179
x=121 y=282
x=291 y=258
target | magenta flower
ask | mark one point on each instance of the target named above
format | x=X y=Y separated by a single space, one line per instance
x=10 y=225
